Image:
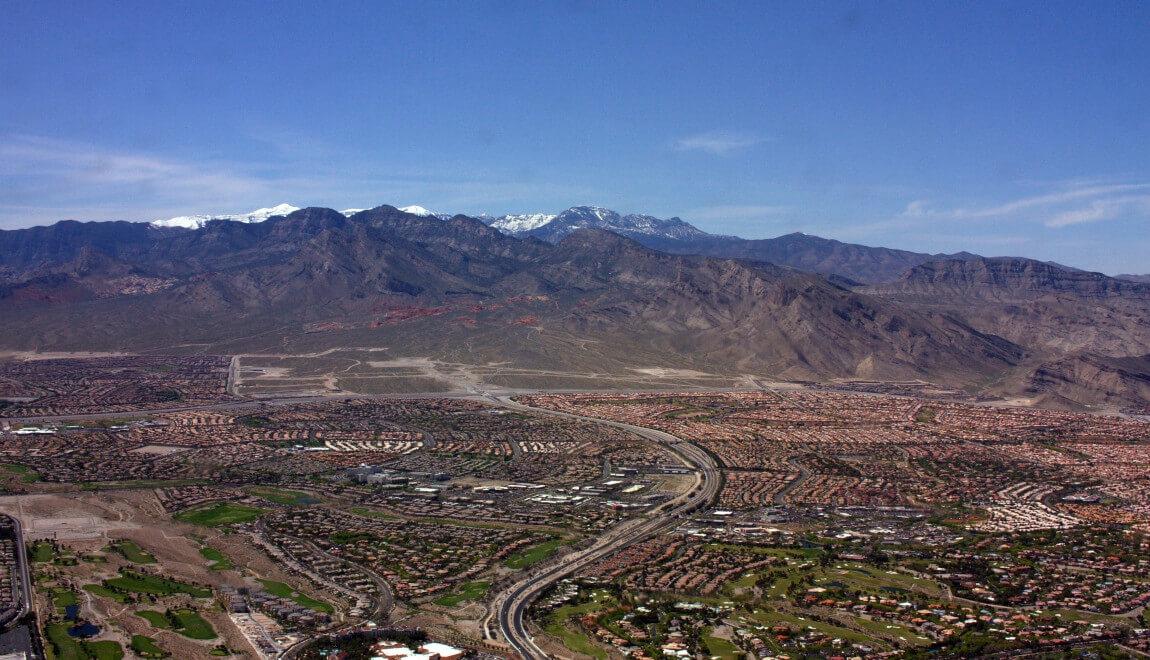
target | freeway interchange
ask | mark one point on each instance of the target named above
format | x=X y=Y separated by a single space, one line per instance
x=509 y=608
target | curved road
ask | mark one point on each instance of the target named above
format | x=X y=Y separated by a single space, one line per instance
x=510 y=606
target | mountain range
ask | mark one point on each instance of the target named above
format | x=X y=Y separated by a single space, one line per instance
x=854 y=263
x=587 y=290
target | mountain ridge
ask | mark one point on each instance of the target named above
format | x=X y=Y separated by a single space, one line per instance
x=425 y=284
x=319 y=266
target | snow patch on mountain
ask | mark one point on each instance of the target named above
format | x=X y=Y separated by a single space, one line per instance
x=596 y=217
x=417 y=210
x=516 y=224
x=197 y=221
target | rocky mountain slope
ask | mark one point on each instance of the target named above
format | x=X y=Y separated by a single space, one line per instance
x=1038 y=304
x=847 y=261
x=591 y=300
x=417 y=283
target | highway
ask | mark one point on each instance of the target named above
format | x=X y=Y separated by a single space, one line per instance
x=509 y=608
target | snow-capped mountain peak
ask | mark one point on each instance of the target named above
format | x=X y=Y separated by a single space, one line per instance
x=519 y=223
x=632 y=224
x=554 y=227
x=197 y=221
x=417 y=210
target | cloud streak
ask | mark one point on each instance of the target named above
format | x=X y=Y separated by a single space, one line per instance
x=43 y=180
x=1073 y=205
x=717 y=143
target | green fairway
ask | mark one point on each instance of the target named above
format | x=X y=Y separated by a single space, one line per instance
x=132 y=552
x=574 y=639
x=62 y=598
x=770 y=617
x=880 y=627
x=105 y=592
x=146 y=647
x=371 y=513
x=220 y=561
x=153 y=584
x=719 y=647
x=157 y=619
x=286 y=591
x=190 y=624
x=63 y=646
x=186 y=622
x=222 y=513
x=282 y=496
x=533 y=555
x=466 y=593
x=103 y=650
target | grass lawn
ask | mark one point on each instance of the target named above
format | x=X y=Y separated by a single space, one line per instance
x=157 y=619
x=282 y=496
x=42 y=551
x=133 y=552
x=184 y=621
x=717 y=646
x=104 y=592
x=286 y=591
x=25 y=472
x=775 y=617
x=466 y=593
x=343 y=538
x=223 y=513
x=571 y=637
x=190 y=624
x=65 y=647
x=533 y=555
x=879 y=579
x=220 y=562
x=146 y=647
x=155 y=585
x=104 y=650
x=371 y=513
x=62 y=598
x=575 y=640
x=882 y=627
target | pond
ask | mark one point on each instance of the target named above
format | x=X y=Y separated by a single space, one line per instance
x=84 y=630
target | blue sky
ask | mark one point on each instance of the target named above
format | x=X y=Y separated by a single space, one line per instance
x=998 y=127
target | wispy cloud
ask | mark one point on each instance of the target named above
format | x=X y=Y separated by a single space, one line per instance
x=43 y=180
x=1104 y=209
x=1071 y=205
x=718 y=143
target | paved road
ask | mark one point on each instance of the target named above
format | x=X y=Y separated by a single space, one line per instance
x=804 y=474
x=25 y=574
x=510 y=606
